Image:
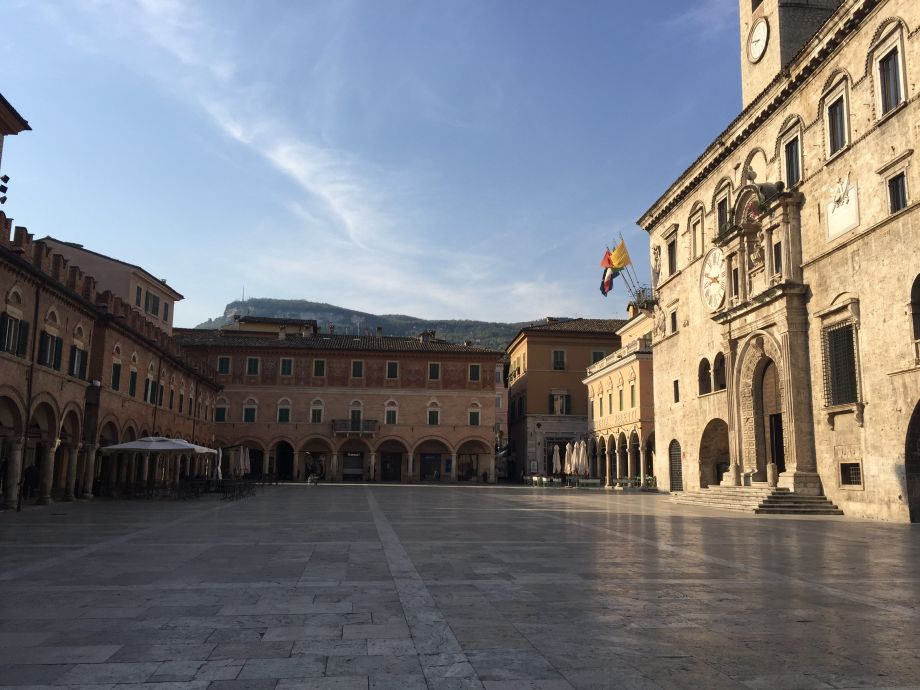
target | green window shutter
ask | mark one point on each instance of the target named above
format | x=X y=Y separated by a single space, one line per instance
x=568 y=404
x=23 y=344
x=550 y=407
x=73 y=367
x=83 y=360
x=4 y=324
x=58 y=348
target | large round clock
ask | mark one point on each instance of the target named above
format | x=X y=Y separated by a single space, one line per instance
x=712 y=279
x=757 y=39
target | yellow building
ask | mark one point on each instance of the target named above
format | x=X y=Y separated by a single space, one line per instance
x=548 y=403
x=621 y=406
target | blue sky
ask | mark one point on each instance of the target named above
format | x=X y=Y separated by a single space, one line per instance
x=438 y=158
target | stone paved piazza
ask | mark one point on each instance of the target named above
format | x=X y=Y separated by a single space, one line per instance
x=452 y=587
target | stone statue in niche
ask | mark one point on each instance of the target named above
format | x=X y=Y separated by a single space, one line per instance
x=659 y=321
x=755 y=250
x=656 y=264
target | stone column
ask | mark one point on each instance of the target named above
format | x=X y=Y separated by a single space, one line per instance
x=631 y=462
x=373 y=467
x=71 y=473
x=47 y=474
x=13 y=475
x=411 y=463
x=145 y=469
x=334 y=467
x=453 y=467
x=491 y=468
x=609 y=468
x=89 y=470
x=643 y=457
x=619 y=462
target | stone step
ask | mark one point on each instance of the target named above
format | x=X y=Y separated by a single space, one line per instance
x=757 y=499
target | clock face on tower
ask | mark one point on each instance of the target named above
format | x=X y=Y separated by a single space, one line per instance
x=757 y=40
x=712 y=279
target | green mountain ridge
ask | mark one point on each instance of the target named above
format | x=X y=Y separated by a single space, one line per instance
x=492 y=334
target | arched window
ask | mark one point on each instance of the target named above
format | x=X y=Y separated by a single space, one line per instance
x=355 y=415
x=391 y=412
x=705 y=377
x=250 y=408
x=434 y=413
x=283 y=414
x=474 y=414
x=718 y=372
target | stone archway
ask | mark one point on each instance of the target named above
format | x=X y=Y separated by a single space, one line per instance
x=675 y=466
x=763 y=434
x=912 y=465
x=11 y=433
x=284 y=461
x=714 y=453
x=392 y=459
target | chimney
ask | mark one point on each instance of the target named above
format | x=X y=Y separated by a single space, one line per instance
x=282 y=332
x=379 y=331
x=331 y=328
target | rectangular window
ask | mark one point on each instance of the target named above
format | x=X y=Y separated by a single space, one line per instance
x=558 y=360
x=319 y=368
x=116 y=376
x=390 y=416
x=220 y=414
x=14 y=335
x=474 y=417
x=160 y=396
x=152 y=304
x=890 y=81
x=181 y=402
x=621 y=400
x=284 y=415
x=672 y=256
x=49 y=350
x=793 y=170
x=172 y=395
x=252 y=366
x=722 y=214
x=191 y=401
x=610 y=402
x=778 y=258
x=132 y=383
x=287 y=366
x=357 y=369
x=433 y=417
x=600 y=407
x=77 y=365
x=316 y=415
x=474 y=372
x=676 y=391
x=249 y=414
x=698 y=236
x=498 y=402
x=434 y=371
x=392 y=370
x=673 y=322
x=850 y=474
x=138 y=296
x=223 y=365
x=836 y=125
x=840 y=385
x=166 y=311
x=632 y=395
x=597 y=356
x=735 y=283
x=897 y=193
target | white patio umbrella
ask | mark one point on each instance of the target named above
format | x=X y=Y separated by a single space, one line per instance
x=159 y=444
x=218 y=472
x=247 y=465
x=583 y=460
x=557 y=463
x=568 y=458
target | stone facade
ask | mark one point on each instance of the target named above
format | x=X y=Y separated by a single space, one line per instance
x=364 y=408
x=787 y=314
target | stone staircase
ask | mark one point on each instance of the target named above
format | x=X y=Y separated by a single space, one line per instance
x=757 y=499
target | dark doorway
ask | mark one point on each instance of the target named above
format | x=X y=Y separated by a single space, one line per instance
x=431 y=467
x=912 y=465
x=391 y=467
x=284 y=461
x=255 y=463
x=677 y=472
x=353 y=467
x=777 y=449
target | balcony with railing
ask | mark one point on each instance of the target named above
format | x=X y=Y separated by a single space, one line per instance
x=354 y=426
x=640 y=346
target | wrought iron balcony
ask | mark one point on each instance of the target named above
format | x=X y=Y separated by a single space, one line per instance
x=354 y=426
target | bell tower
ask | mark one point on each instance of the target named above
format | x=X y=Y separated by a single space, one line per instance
x=772 y=32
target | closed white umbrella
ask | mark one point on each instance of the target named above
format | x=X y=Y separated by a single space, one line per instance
x=568 y=458
x=583 y=466
x=247 y=465
x=218 y=472
x=557 y=463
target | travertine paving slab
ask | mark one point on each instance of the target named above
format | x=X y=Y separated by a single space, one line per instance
x=451 y=587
